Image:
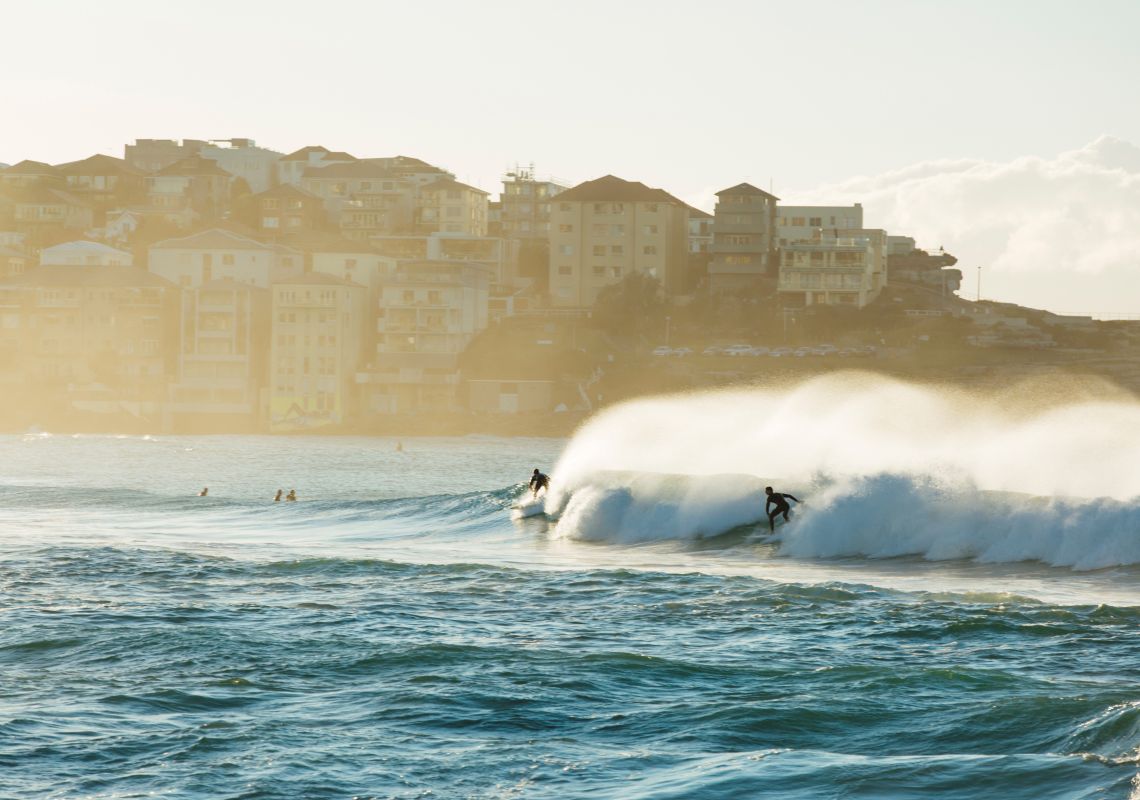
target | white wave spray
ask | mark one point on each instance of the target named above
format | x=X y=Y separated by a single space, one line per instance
x=888 y=468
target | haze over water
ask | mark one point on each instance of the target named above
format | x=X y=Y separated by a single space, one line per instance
x=936 y=627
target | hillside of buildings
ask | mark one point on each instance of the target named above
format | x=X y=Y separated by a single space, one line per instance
x=216 y=286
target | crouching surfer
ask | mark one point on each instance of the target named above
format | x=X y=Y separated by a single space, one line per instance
x=780 y=501
x=538 y=481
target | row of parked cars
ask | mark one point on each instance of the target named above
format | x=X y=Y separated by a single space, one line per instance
x=775 y=352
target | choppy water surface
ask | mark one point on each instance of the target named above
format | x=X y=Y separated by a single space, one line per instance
x=396 y=634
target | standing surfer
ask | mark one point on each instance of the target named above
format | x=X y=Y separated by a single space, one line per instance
x=538 y=481
x=780 y=501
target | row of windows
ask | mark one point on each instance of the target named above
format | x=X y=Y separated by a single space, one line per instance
x=817 y=222
x=598 y=270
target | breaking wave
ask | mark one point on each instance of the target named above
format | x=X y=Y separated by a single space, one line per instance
x=887 y=469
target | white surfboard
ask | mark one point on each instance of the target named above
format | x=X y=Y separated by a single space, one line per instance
x=528 y=508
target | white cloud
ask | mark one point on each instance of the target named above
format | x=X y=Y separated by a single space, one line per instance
x=1060 y=233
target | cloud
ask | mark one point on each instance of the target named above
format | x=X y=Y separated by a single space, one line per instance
x=1061 y=233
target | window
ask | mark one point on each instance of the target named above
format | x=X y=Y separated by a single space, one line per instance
x=599 y=271
x=617 y=230
x=565 y=270
x=615 y=272
x=649 y=250
x=350 y=263
x=365 y=185
x=650 y=230
x=797 y=222
x=651 y=207
x=617 y=250
x=599 y=208
x=228 y=259
x=599 y=229
x=619 y=208
x=565 y=249
x=599 y=250
x=270 y=204
x=565 y=228
x=563 y=206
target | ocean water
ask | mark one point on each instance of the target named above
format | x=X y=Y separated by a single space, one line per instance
x=396 y=634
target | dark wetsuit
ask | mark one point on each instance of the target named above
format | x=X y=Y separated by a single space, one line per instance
x=782 y=507
x=539 y=481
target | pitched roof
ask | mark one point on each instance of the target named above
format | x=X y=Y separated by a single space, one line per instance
x=698 y=213
x=29 y=167
x=287 y=190
x=70 y=275
x=212 y=239
x=746 y=188
x=194 y=165
x=448 y=183
x=612 y=188
x=303 y=153
x=39 y=194
x=339 y=155
x=85 y=246
x=364 y=168
x=98 y=164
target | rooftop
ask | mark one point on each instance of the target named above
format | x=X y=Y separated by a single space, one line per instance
x=746 y=189
x=613 y=188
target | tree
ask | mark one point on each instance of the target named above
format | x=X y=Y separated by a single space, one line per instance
x=632 y=307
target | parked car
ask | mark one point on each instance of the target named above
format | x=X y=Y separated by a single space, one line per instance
x=802 y=351
x=825 y=350
x=662 y=350
x=681 y=352
x=738 y=350
x=759 y=351
x=780 y=352
x=713 y=350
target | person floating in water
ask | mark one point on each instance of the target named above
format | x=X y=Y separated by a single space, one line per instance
x=780 y=501
x=538 y=481
x=399 y=447
x=277 y=497
x=292 y=495
x=205 y=491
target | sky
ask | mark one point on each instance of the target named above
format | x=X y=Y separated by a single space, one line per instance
x=691 y=97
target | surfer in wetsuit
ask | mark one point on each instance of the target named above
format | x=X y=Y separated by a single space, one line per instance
x=538 y=481
x=780 y=501
x=205 y=491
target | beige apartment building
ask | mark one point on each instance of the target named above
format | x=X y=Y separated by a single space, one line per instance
x=744 y=244
x=605 y=229
x=191 y=261
x=448 y=206
x=222 y=355
x=102 y=336
x=315 y=350
x=427 y=314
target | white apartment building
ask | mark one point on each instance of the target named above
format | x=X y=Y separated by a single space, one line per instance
x=605 y=229
x=448 y=206
x=794 y=223
x=838 y=271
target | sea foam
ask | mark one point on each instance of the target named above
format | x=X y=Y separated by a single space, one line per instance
x=887 y=469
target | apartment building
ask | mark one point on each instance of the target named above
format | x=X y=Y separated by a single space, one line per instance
x=242 y=158
x=427 y=314
x=222 y=361
x=448 y=206
x=605 y=229
x=101 y=335
x=364 y=197
x=838 y=271
x=524 y=205
x=191 y=261
x=795 y=223
x=27 y=173
x=187 y=190
x=316 y=346
x=701 y=226
x=744 y=244
x=104 y=182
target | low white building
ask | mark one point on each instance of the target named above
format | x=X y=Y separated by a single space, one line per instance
x=84 y=253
